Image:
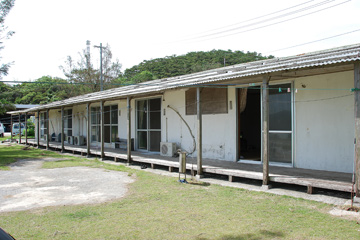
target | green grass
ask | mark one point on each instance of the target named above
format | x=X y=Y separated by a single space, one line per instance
x=158 y=207
x=4 y=138
x=9 y=153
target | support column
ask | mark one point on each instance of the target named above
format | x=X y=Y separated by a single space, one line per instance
x=38 y=129
x=47 y=129
x=357 y=127
x=102 y=136
x=265 y=123
x=19 y=128
x=199 y=135
x=11 y=127
x=26 y=130
x=62 y=130
x=128 y=130
x=88 y=130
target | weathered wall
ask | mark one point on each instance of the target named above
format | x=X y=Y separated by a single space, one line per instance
x=324 y=120
x=219 y=130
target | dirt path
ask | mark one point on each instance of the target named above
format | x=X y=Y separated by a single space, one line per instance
x=27 y=185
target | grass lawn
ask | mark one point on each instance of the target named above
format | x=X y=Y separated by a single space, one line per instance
x=158 y=207
x=4 y=138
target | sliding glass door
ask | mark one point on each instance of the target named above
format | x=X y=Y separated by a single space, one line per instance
x=148 y=129
x=280 y=123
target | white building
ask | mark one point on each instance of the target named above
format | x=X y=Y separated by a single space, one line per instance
x=296 y=111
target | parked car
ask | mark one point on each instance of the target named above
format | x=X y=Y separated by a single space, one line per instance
x=2 y=130
x=16 y=129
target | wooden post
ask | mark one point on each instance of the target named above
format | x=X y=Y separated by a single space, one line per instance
x=88 y=130
x=62 y=130
x=265 y=140
x=47 y=128
x=26 y=128
x=38 y=129
x=19 y=128
x=11 y=127
x=357 y=127
x=102 y=136
x=128 y=130
x=199 y=173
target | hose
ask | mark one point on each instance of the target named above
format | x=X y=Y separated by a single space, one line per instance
x=187 y=125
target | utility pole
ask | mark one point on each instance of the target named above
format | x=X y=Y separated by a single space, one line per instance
x=101 y=70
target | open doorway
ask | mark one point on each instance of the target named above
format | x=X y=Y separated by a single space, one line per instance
x=249 y=124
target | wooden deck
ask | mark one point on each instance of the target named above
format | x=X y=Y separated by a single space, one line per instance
x=303 y=177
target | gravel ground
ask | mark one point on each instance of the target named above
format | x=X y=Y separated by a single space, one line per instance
x=28 y=186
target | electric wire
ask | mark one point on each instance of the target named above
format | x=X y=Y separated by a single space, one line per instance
x=271 y=24
x=302 y=44
x=264 y=21
x=252 y=19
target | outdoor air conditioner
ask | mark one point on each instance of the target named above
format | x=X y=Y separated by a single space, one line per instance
x=70 y=140
x=79 y=140
x=167 y=149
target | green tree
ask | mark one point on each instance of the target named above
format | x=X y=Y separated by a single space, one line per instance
x=191 y=62
x=5 y=99
x=84 y=73
x=5 y=7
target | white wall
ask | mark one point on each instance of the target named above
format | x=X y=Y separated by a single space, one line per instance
x=324 y=120
x=79 y=119
x=54 y=122
x=218 y=130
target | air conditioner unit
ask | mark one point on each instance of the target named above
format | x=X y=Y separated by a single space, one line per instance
x=70 y=140
x=167 y=149
x=79 y=140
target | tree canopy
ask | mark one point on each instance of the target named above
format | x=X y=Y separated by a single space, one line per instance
x=191 y=62
x=5 y=7
x=84 y=73
x=83 y=77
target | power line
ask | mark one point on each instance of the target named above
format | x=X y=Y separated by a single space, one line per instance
x=338 y=35
x=264 y=26
x=265 y=20
x=249 y=20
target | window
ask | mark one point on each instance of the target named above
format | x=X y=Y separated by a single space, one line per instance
x=43 y=124
x=67 y=123
x=110 y=124
x=280 y=124
x=213 y=101
x=148 y=124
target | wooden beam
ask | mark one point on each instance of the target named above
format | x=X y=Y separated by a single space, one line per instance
x=265 y=123
x=128 y=130
x=47 y=128
x=199 y=173
x=102 y=133
x=19 y=128
x=88 y=130
x=357 y=127
x=62 y=130
x=38 y=129
x=26 y=127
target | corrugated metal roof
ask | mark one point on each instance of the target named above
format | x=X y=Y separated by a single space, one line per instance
x=321 y=58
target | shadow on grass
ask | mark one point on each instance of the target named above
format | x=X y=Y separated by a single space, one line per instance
x=204 y=184
x=263 y=234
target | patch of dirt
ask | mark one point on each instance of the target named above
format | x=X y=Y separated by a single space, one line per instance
x=28 y=186
x=350 y=215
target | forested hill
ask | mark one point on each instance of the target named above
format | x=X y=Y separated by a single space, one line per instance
x=172 y=66
x=81 y=80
